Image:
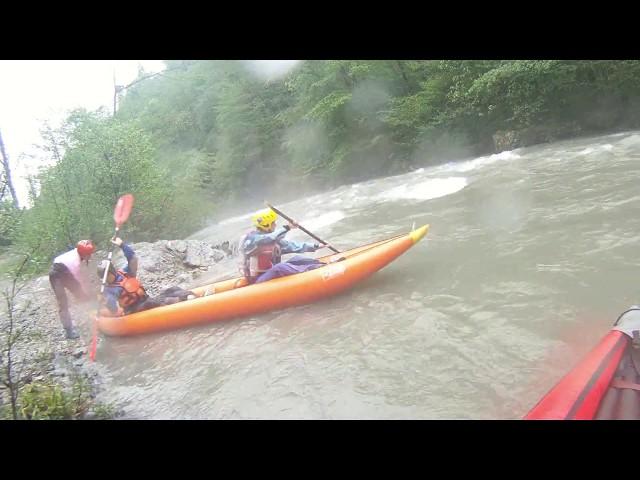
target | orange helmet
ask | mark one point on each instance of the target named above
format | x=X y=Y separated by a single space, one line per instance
x=85 y=248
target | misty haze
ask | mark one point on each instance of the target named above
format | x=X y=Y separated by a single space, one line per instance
x=306 y=239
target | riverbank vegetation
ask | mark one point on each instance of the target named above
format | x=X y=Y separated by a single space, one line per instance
x=205 y=137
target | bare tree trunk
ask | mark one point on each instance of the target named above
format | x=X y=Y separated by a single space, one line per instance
x=403 y=73
x=346 y=77
x=7 y=173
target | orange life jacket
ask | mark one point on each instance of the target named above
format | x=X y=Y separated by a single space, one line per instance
x=132 y=290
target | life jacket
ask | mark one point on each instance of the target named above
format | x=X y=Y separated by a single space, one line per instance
x=262 y=259
x=132 y=290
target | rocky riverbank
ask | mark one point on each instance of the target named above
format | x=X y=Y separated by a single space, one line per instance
x=46 y=357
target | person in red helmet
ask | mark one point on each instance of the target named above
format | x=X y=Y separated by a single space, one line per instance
x=70 y=272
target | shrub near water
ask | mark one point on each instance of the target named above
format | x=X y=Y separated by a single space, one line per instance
x=46 y=400
x=103 y=159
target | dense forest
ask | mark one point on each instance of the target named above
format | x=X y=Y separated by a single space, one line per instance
x=206 y=137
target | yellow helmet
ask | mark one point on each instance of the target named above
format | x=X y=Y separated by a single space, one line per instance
x=264 y=219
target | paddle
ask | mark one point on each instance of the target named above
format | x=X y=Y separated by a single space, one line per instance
x=302 y=228
x=120 y=216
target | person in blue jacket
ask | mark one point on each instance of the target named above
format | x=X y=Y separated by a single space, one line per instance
x=124 y=294
x=261 y=250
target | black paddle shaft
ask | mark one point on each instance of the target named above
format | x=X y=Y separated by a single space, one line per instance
x=303 y=229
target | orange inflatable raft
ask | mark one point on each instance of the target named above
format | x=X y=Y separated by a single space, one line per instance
x=234 y=298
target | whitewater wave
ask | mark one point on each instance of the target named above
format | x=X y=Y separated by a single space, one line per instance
x=476 y=163
x=607 y=147
x=326 y=219
x=427 y=190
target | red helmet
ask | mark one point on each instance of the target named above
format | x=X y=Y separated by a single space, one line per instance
x=85 y=248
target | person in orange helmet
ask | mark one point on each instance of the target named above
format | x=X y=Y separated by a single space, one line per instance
x=70 y=272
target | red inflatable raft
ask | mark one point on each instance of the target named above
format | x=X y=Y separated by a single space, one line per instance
x=605 y=385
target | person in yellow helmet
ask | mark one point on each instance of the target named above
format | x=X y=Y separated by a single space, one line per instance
x=261 y=250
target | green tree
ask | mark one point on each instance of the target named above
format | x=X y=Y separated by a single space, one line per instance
x=103 y=158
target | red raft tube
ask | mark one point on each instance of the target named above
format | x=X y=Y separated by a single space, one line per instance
x=605 y=385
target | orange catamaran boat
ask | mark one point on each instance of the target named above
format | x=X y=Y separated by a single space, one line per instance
x=605 y=385
x=234 y=298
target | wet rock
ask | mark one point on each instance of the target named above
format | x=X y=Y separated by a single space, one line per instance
x=510 y=139
x=194 y=259
x=179 y=246
x=183 y=280
x=149 y=265
x=60 y=372
x=79 y=352
x=217 y=255
x=200 y=254
x=40 y=284
x=226 y=247
x=505 y=140
x=183 y=277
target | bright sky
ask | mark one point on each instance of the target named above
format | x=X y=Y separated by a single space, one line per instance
x=32 y=91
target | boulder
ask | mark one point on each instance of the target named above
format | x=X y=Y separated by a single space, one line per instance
x=179 y=246
x=506 y=140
